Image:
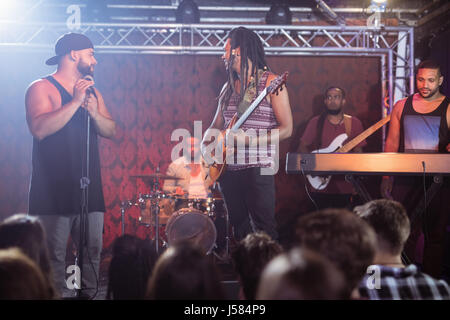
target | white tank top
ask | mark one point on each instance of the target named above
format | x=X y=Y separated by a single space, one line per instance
x=197 y=187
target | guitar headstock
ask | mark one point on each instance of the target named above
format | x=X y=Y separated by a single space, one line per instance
x=277 y=83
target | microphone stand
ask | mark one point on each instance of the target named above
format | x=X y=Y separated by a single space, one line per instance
x=84 y=185
x=157 y=209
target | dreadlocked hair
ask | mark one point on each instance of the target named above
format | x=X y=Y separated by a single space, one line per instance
x=251 y=48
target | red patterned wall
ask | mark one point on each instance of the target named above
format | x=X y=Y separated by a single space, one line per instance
x=150 y=96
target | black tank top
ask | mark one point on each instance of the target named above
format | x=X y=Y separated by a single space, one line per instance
x=424 y=132
x=58 y=164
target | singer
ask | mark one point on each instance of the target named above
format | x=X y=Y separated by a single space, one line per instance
x=58 y=108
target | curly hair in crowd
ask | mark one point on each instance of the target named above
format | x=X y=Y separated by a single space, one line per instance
x=250 y=257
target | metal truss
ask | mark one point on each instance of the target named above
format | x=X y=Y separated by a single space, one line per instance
x=393 y=45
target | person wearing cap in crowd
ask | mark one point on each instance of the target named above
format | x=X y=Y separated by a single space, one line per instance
x=58 y=108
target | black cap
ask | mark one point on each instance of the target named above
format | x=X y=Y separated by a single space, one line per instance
x=68 y=42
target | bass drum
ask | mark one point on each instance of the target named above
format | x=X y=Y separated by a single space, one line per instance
x=189 y=224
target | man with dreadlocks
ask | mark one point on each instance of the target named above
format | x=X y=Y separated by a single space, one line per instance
x=249 y=192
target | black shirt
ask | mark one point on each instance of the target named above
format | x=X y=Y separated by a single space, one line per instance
x=58 y=164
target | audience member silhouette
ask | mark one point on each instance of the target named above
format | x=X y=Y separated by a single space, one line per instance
x=130 y=268
x=26 y=232
x=342 y=237
x=250 y=257
x=301 y=274
x=21 y=278
x=389 y=278
x=183 y=271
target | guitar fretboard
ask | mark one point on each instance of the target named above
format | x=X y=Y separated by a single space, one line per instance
x=354 y=142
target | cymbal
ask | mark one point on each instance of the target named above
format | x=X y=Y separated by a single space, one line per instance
x=186 y=197
x=156 y=176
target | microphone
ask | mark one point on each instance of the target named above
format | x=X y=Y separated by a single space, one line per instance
x=90 y=90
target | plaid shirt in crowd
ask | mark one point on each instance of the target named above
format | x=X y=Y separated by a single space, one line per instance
x=387 y=283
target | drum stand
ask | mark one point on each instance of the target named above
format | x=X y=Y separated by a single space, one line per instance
x=127 y=204
x=123 y=206
x=157 y=208
x=154 y=196
x=155 y=193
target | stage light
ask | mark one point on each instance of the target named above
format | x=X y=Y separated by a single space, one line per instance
x=279 y=14
x=187 y=12
x=322 y=6
x=378 y=5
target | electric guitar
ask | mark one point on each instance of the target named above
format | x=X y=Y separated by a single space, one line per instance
x=216 y=169
x=321 y=182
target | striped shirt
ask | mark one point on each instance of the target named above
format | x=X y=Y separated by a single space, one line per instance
x=262 y=119
x=401 y=284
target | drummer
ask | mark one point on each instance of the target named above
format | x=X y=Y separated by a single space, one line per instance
x=194 y=182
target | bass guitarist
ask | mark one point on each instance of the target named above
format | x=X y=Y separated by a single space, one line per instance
x=320 y=133
x=250 y=194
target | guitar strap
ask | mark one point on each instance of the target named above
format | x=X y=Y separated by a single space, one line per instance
x=320 y=124
x=348 y=124
x=249 y=95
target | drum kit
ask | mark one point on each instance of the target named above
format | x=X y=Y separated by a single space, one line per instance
x=204 y=221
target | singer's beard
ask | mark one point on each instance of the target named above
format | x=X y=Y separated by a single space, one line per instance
x=334 y=112
x=85 y=69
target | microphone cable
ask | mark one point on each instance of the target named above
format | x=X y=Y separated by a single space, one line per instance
x=306 y=185
x=424 y=215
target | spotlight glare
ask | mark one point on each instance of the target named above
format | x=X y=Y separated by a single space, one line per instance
x=8 y=9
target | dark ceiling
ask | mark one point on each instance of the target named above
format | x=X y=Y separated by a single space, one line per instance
x=429 y=17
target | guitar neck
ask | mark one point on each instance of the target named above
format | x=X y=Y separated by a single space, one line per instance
x=355 y=141
x=249 y=110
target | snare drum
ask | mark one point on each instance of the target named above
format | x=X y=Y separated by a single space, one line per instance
x=148 y=204
x=189 y=224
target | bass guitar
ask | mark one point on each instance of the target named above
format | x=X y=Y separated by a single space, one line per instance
x=321 y=182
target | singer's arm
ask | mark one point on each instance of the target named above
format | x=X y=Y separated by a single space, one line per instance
x=104 y=123
x=44 y=112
